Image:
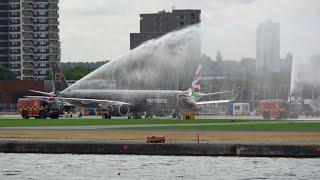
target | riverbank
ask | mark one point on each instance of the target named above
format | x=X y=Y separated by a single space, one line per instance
x=177 y=149
x=216 y=138
x=170 y=135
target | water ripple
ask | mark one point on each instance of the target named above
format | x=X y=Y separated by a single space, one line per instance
x=53 y=166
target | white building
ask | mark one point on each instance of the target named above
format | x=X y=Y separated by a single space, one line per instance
x=268 y=47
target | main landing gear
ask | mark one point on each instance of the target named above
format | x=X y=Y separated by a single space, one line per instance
x=135 y=116
x=106 y=115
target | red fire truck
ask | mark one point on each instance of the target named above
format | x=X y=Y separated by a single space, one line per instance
x=276 y=108
x=40 y=108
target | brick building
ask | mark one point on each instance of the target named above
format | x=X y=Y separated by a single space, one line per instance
x=155 y=25
x=12 y=90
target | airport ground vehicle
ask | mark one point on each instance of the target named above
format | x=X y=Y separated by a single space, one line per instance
x=276 y=108
x=40 y=108
x=241 y=109
x=156 y=139
x=311 y=107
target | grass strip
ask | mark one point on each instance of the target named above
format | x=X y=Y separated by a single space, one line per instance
x=291 y=126
x=97 y=122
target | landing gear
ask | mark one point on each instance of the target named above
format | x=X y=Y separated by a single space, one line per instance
x=106 y=115
x=176 y=115
x=54 y=116
x=149 y=115
x=135 y=116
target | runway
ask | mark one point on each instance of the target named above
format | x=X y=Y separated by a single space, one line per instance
x=251 y=117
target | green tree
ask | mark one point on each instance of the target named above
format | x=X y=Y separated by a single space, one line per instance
x=76 y=72
x=6 y=74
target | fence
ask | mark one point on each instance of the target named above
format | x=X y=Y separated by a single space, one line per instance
x=8 y=108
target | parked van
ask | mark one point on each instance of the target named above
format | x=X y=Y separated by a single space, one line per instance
x=241 y=109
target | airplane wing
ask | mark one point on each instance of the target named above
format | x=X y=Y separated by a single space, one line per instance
x=87 y=101
x=100 y=102
x=215 y=93
x=38 y=97
x=51 y=94
x=213 y=102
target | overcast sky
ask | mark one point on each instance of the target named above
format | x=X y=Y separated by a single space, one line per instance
x=99 y=29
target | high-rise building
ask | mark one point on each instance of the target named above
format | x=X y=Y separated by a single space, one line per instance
x=29 y=37
x=268 y=47
x=155 y=25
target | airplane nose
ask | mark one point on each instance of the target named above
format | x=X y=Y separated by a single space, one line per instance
x=191 y=101
x=187 y=100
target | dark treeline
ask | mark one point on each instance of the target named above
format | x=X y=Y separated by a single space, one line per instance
x=77 y=70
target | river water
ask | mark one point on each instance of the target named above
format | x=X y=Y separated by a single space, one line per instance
x=67 y=166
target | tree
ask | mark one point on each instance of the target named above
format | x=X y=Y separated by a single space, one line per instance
x=219 y=56
x=6 y=74
x=76 y=72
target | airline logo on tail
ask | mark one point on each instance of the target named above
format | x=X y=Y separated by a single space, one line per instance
x=196 y=80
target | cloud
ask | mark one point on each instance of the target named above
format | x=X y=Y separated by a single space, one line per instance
x=99 y=29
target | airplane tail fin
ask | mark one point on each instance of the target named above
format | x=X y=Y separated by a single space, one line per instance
x=59 y=79
x=196 y=80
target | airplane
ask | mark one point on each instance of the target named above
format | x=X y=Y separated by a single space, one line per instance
x=134 y=103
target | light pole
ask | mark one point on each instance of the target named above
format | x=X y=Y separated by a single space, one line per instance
x=210 y=87
x=177 y=79
x=241 y=91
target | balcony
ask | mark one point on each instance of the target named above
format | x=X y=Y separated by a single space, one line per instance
x=14 y=30
x=53 y=21
x=53 y=6
x=14 y=51
x=27 y=65
x=27 y=5
x=14 y=7
x=55 y=29
x=27 y=21
x=14 y=37
x=25 y=29
x=28 y=74
x=53 y=14
x=14 y=22
x=27 y=36
x=14 y=44
x=46 y=14
x=28 y=58
x=41 y=52
x=15 y=66
x=13 y=14
x=27 y=14
x=53 y=36
x=27 y=43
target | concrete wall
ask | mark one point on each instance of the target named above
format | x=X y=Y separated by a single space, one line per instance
x=187 y=149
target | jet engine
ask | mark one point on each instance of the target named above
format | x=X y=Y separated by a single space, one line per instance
x=119 y=109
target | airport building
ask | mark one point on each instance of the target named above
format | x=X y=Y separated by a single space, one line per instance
x=155 y=25
x=29 y=37
x=268 y=47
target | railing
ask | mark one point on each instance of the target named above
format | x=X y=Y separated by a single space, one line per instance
x=8 y=108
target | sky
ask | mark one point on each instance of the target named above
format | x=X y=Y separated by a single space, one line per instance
x=99 y=30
